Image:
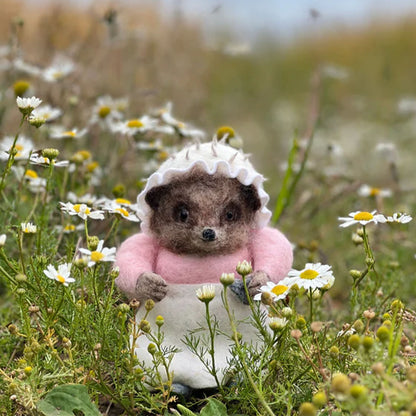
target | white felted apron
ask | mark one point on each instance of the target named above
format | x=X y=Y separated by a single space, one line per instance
x=183 y=311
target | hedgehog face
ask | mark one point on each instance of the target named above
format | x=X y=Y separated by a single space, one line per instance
x=202 y=214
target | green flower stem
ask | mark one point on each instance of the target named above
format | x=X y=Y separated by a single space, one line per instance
x=10 y=159
x=212 y=349
x=113 y=228
x=310 y=306
x=258 y=393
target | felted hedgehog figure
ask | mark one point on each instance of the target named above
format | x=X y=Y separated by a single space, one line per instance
x=203 y=211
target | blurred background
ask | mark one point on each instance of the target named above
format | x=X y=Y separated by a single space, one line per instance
x=265 y=68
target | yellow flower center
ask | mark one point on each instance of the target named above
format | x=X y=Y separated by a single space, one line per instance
x=225 y=130
x=123 y=201
x=31 y=174
x=363 y=216
x=309 y=274
x=135 y=124
x=374 y=191
x=70 y=133
x=180 y=125
x=20 y=87
x=69 y=227
x=92 y=166
x=60 y=278
x=162 y=155
x=104 y=111
x=122 y=211
x=58 y=74
x=85 y=154
x=18 y=147
x=279 y=289
x=96 y=256
x=77 y=209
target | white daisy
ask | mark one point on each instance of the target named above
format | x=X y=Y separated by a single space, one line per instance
x=28 y=227
x=388 y=151
x=23 y=66
x=362 y=217
x=59 y=69
x=366 y=190
x=37 y=159
x=27 y=105
x=134 y=126
x=24 y=147
x=100 y=254
x=400 y=218
x=62 y=275
x=113 y=207
x=60 y=132
x=69 y=228
x=88 y=199
x=35 y=183
x=46 y=112
x=82 y=210
x=313 y=276
x=277 y=324
x=277 y=291
x=105 y=109
x=206 y=293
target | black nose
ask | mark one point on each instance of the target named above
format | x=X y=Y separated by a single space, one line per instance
x=208 y=234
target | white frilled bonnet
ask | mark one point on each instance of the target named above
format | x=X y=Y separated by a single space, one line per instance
x=212 y=157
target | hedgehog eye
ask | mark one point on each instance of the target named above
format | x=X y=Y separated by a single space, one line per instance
x=181 y=213
x=231 y=213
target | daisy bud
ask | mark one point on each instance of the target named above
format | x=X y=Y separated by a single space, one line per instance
x=36 y=121
x=12 y=329
x=277 y=324
x=307 y=409
x=354 y=341
x=334 y=351
x=160 y=320
x=33 y=309
x=355 y=274
x=404 y=341
x=119 y=191
x=20 y=277
x=386 y=316
x=81 y=262
x=368 y=342
x=358 y=391
x=227 y=279
x=206 y=293
x=360 y=232
x=123 y=308
x=20 y=87
x=340 y=383
x=151 y=348
x=369 y=262
x=115 y=271
x=28 y=370
x=319 y=399
x=225 y=131
x=286 y=311
x=387 y=323
x=144 y=325
x=27 y=105
x=397 y=305
x=244 y=268
x=97 y=347
x=266 y=298
x=92 y=242
x=356 y=239
x=20 y=291
x=35 y=346
x=383 y=334
x=300 y=322
x=149 y=305
x=50 y=153
x=358 y=325
x=66 y=343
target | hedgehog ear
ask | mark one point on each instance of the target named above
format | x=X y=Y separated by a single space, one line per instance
x=250 y=197
x=154 y=196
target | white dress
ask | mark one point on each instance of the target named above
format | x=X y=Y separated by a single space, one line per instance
x=183 y=312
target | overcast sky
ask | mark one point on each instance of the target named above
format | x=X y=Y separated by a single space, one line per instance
x=286 y=18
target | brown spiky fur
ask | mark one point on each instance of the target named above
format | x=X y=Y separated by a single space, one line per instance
x=207 y=199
